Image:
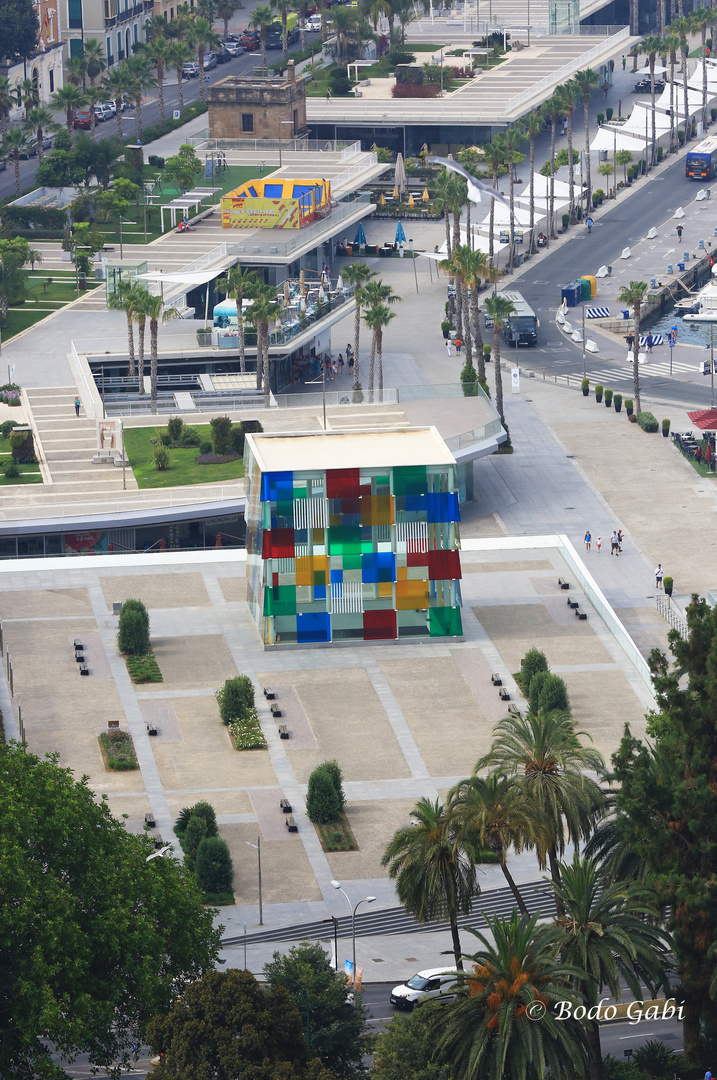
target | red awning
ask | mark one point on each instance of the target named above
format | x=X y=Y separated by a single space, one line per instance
x=706 y=419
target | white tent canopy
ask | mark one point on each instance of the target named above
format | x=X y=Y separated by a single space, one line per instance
x=616 y=138
x=542 y=205
x=502 y=216
x=640 y=121
x=694 y=98
x=541 y=186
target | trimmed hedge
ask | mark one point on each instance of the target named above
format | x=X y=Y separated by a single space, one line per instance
x=33 y=217
x=409 y=74
x=411 y=90
x=154 y=131
x=647 y=421
x=133 y=629
x=533 y=662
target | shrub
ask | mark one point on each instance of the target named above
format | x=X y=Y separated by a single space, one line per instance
x=7 y=427
x=221 y=435
x=665 y=425
x=190 y=437
x=205 y=448
x=553 y=694
x=536 y=685
x=12 y=471
x=585 y=385
x=598 y=392
x=654 y=1058
x=247 y=733
x=566 y=221
x=160 y=456
x=667 y=583
x=194 y=833
x=600 y=118
x=620 y=1070
x=238 y=440
x=323 y=804
x=609 y=113
x=617 y=402
x=400 y=56
x=486 y=352
x=647 y=421
x=337 y=777
x=119 y=751
x=213 y=865
x=174 y=428
x=608 y=398
x=144 y=669
x=251 y=427
x=206 y=811
x=533 y=662
x=408 y=75
x=411 y=90
x=469 y=380
x=660 y=153
x=23 y=447
x=340 y=83
x=629 y=405
x=236 y=698
x=133 y=630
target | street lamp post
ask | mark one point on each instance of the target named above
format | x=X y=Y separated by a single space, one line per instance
x=281 y=122
x=415 y=272
x=584 y=371
x=257 y=848
x=333 y=919
x=354 y=908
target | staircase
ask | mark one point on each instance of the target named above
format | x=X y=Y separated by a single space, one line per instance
x=67 y=445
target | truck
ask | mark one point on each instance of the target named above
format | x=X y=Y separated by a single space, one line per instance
x=521 y=326
x=274 y=32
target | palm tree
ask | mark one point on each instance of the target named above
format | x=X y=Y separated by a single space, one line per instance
x=345 y=22
x=8 y=102
x=75 y=71
x=155 y=310
x=514 y=979
x=155 y=27
x=225 y=10
x=284 y=7
x=607 y=930
x=544 y=756
x=435 y=878
x=117 y=83
x=15 y=144
x=34 y=256
x=124 y=299
x=457 y=267
x=12 y=280
x=70 y=99
x=494 y=152
x=499 y=308
x=139 y=313
x=179 y=55
x=30 y=94
x=357 y=274
x=699 y=21
x=489 y=814
x=237 y=284
x=93 y=54
x=632 y=296
x=587 y=80
x=682 y=28
x=263 y=311
x=533 y=124
x=377 y=318
x=158 y=52
x=40 y=119
x=653 y=45
x=445 y=188
x=202 y=37
x=512 y=157
x=94 y=95
x=261 y=19
x=569 y=92
x=552 y=107
x=672 y=44
x=477 y=269
x=140 y=74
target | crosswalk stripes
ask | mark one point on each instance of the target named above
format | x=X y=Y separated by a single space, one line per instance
x=606 y=375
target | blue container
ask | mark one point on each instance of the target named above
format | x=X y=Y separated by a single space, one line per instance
x=572 y=293
x=680 y=266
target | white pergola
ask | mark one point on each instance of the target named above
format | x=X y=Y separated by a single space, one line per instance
x=192 y=200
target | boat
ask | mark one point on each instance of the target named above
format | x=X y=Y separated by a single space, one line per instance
x=707 y=306
x=689 y=306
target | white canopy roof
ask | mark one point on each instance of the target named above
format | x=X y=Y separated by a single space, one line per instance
x=541 y=205
x=694 y=98
x=502 y=216
x=541 y=186
x=640 y=121
x=616 y=138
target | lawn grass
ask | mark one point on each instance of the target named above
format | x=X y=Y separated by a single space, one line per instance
x=144 y=669
x=29 y=474
x=337 y=836
x=182 y=468
x=61 y=292
x=21 y=319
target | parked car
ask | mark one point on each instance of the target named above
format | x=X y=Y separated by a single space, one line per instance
x=222 y=55
x=32 y=145
x=111 y=106
x=233 y=48
x=190 y=70
x=103 y=112
x=313 y=24
x=435 y=982
x=82 y=120
x=210 y=61
x=249 y=43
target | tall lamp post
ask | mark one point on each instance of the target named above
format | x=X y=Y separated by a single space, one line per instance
x=354 y=908
x=257 y=848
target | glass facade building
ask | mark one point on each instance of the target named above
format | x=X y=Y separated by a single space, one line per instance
x=362 y=551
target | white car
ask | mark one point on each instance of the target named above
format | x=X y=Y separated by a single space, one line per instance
x=313 y=24
x=111 y=106
x=103 y=112
x=433 y=983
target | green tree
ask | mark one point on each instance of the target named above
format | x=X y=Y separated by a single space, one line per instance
x=68 y=99
x=608 y=931
x=457 y=267
x=225 y=11
x=533 y=662
x=228 y=1027
x=406 y=1050
x=338 y=1028
x=206 y=811
x=587 y=80
x=263 y=310
x=500 y=308
x=179 y=55
x=377 y=317
x=652 y=45
x=632 y=296
x=15 y=144
x=494 y=153
x=434 y=878
x=446 y=188
x=192 y=837
x=183 y=169
x=261 y=20
x=552 y=108
x=323 y=805
x=99 y=159
x=133 y=629
x=8 y=102
x=544 y=758
x=666 y=807
x=117 y=83
x=19 y=29
x=624 y=158
x=491 y=1030
x=14 y=255
x=672 y=44
x=155 y=310
x=72 y=877
x=284 y=7
x=236 y=697
x=357 y=274
x=158 y=51
x=532 y=126
x=213 y=866
x=140 y=76
x=93 y=54
x=126 y=297
x=40 y=120
x=548 y=693
x=202 y=37
x=239 y=284
x=337 y=777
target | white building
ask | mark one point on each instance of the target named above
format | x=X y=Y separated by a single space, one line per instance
x=117 y=23
x=44 y=67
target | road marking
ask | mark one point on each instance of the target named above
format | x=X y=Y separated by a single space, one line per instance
x=642 y=1035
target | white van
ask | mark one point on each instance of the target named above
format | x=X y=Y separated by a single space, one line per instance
x=432 y=983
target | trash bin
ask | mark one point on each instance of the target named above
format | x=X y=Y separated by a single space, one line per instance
x=571 y=293
x=625 y=313
x=669 y=268
x=680 y=266
x=585 y=290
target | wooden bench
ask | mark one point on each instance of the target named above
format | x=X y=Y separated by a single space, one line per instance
x=572 y=603
x=158 y=843
x=79 y=658
x=84 y=670
x=149 y=820
x=580 y=613
x=151 y=729
x=503 y=694
x=291 y=824
x=283 y=731
x=285 y=806
x=275 y=711
x=78 y=645
x=563 y=583
x=513 y=710
x=496 y=680
x=269 y=693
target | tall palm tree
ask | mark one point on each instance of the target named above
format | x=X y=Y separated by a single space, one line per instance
x=123 y=299
x=357 y=274
x=93 y=53
x=377 y=319
x=225 y=11
x=179 y=55
x=237 y=284
x=552 y=108
x=284 y=7
x=569 y=93
x=587 y=80
x=672 y=44
x=140 y=311
x=75 y=71
x=699 y=20
x=607 y=930
x=141 y=77
x=460 y=198
x=15 y=144
x=681 y=27
x=202 y=37
x=544 y=756
x=30 y=94
x=491 y=1030
x=155 y=27
x=494 y=152
x=155 y=310
x=477 y=269
x=69 y=99
x=632 y=296
x=262 y=18
x=435 y=878
x=445 y=189
x=499 y=308
x=376 y=294
x=117 y=83
x=40 y=120
x=8 y=101
x=489 y=814
x=458 y=267
x=94 y=95
x=653 y=45
x=512 y=157
x=533 y=124
x=345 y=23
x=158 y=51
x=263 y=311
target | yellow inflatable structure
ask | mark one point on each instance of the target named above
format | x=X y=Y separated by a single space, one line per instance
x=275 y=204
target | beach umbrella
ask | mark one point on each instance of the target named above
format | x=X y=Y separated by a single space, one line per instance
x=339 y=283
x=286 y=293
x=381 y=200
x=360 y=237
x=410 y=200
x=395 y=193
x=322 y=294
x=400 y=234
x=302 y=303
x=400 y=173
x=426 y=197
x=301 y=282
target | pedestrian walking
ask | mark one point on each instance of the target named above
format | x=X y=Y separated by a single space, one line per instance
x=588 y=540
x=448 y=347
x=459 y=344
x=659 y=574
x=565 y=127
x=630 y=339
x=351 y=362
x=624 y=62
x=649 y=343
x=349 y=352
x=341 y=363
x=606 y=87
x=680 y=231
x=77 y=406
x=335 y=369
x=598 y=544
x=328 y=94
x=619 y=540
x=613 y=543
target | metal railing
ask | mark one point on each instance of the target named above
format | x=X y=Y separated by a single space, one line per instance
x=477 y=435
x=667 y=609
x=134 y=501
x=331 y=146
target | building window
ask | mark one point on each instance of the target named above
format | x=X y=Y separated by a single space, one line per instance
x=52 y=81
x=75 y=47
x=108 y=49
x=171 y=13
x=247 y=121
x=120 y=54
x=74 y=14
x=135 y=34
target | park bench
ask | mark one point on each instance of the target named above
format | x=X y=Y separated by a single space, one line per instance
x=580 y=613
x=151 y=729
x=283 y=731
x=78 y=645
x=79 y=657
x=496 y=679
x=572 y=603
x=563 y=583
x=291 y=824
x=158 y=842
x=503 y=694
x=285 y=806
x=275 y=711
x=149 y=820
x=269 y=693
x=513 y=710
x=84 y=670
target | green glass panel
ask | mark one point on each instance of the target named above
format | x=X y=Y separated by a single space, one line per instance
x=445 y=622
x=344 y=539
x=280 y=600
x=409 y=480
